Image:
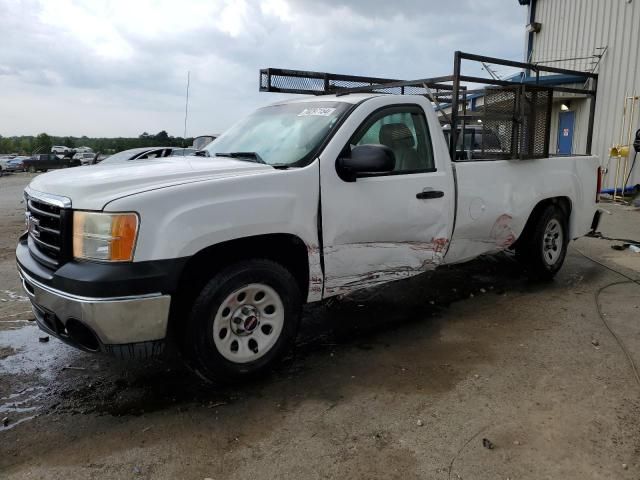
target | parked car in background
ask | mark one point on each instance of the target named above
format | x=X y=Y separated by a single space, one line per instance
x=17 y=163
x=138 y=154
x=85 y=158
x=48 y=161
x=4 y=165
x=11 y=163
x=83 y=150
x=60 y=149
x=183 y=152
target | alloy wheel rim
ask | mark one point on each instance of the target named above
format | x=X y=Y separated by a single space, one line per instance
x=248 y=323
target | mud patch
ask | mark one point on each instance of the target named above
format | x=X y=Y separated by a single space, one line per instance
x=353 y=319
x=138 y=393
x=6 y=352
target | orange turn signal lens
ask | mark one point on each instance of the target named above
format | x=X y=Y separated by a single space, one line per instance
x=124 y=230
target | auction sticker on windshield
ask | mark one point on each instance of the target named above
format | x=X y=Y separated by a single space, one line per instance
x=318 y=112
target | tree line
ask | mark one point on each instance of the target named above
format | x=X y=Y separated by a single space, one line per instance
x=42 y=143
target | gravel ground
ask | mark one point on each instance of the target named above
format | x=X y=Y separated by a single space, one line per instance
x=400 y=382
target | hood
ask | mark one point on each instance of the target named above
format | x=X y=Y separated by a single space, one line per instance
x=92 y=187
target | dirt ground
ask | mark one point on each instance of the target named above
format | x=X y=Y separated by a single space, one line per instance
x=400 y=382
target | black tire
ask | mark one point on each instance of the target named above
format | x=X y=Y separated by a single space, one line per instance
x=199 y=347
x=542 y=251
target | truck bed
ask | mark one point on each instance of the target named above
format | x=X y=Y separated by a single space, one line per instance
x=496 y=197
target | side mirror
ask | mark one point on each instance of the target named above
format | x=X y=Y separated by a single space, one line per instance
x=366 y=160
x=201 y=153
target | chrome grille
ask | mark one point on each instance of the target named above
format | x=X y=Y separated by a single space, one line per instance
x=47 y=232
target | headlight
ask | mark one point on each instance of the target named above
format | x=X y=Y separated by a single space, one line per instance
x=108 y=237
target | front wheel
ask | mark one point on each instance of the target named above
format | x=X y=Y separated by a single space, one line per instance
x=244 y=319
x=545 y=248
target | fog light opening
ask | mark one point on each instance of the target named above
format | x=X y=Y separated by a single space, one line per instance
x=28 y=287
x=82 y=335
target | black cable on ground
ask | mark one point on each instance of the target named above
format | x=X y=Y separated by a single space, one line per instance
x=633 y=164
x=602 y=316
x=623 y=240
x=468 y=441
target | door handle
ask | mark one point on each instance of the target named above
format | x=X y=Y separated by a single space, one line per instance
x=426 y=194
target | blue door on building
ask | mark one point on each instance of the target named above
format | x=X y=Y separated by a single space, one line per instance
x=565 y=133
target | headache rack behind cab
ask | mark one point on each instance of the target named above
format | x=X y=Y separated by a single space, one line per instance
x=516 y=111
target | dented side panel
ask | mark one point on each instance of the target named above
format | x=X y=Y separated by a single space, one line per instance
x=495 y=199
x=316 y=276
x=195 y=216
x=375 y=230
x=354 y=265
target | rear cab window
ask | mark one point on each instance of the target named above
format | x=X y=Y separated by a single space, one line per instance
x=476 y=144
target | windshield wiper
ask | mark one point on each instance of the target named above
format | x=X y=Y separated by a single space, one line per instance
x=253 y=157
x=250 y=156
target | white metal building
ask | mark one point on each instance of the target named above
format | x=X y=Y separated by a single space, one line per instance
x=590 y=35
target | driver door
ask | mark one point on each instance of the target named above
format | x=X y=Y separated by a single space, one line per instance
x=388 y=226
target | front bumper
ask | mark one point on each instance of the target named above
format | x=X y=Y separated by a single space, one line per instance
x=133 y=326
x=120 y=309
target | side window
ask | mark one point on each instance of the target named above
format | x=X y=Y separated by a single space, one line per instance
x=406 y=133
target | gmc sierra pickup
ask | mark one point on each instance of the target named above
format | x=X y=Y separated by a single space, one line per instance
x=302 y=200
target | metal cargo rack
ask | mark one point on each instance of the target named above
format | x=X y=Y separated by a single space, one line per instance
x=517 y=113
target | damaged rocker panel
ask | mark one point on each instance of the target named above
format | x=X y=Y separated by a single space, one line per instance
x=369 y=264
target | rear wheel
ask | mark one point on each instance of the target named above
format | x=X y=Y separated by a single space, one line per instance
x=544 y=249
x=244 y=319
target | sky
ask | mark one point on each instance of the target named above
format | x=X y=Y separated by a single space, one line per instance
x=119 y=67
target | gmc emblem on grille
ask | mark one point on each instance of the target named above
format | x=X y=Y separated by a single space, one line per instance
x=33 y=226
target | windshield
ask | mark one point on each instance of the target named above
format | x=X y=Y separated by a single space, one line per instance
x=286 y=134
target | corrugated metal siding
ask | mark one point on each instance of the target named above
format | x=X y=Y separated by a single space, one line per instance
x=574 y=28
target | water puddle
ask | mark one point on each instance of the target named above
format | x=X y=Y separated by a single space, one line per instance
x=27 y=367
x=32 y=357
x=21 y=406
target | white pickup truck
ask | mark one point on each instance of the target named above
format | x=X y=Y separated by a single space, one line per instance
x=302 y=200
